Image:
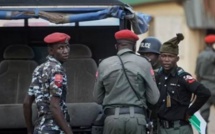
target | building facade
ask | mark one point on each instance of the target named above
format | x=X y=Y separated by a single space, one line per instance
x=168 y=19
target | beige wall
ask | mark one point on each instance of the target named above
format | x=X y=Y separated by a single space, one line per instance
x=169 y=19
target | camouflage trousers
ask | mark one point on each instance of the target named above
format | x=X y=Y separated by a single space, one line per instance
x=125 y=124
x=47 y=127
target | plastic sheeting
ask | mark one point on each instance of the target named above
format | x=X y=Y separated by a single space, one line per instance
x=138 y=21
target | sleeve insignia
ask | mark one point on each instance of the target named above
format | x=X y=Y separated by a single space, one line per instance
x=152 y=72
x=97 y=74
x=58 y=79
x=189 y=79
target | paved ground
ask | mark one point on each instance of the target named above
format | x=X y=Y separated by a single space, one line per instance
x=211 y=123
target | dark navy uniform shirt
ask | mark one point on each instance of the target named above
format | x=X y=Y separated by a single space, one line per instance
x=179 y=85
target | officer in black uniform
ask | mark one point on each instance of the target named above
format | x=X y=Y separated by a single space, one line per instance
x=176 y=87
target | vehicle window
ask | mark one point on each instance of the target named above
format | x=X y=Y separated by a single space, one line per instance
x=11 y=23
x=103 y=22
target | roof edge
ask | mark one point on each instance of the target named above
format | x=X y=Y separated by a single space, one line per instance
x=138 y=2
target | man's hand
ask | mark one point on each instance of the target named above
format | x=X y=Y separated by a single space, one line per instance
x=58 y=115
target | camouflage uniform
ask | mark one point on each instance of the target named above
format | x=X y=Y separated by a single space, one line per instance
x=45 y=84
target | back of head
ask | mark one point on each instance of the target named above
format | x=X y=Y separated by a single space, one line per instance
x=126 y=37
x=150 y=45
x=171 y=46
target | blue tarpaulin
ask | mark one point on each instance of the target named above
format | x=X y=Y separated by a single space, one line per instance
x=138 y=21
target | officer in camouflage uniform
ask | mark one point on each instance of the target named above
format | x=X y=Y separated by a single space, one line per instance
x=205 y=72
x=176 y=87
x=48 y=90
x=150 y=48
x=124 y=99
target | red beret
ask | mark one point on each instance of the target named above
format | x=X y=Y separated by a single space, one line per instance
x=57 y=38
x=126 y=34
x=210 y=39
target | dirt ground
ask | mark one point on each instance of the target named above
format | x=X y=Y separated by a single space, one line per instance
x=211 y=128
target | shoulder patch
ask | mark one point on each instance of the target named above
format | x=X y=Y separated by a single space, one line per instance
x=152 y=72
x=189 y=79
x=97 y=74
x=58 y=79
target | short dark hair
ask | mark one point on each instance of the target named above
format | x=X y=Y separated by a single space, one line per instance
x=125 y=42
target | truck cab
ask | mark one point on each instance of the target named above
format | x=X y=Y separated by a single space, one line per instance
x=24 y=24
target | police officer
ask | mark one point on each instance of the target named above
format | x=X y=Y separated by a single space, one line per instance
x=176 y=87
x=48 y=90
x=150 y=48
x=124 y=83
x=205 y=72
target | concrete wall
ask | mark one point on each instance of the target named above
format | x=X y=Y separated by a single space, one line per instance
x=169 y=19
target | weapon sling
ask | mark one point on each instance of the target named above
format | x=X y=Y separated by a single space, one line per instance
x=138 y=96
x=123 y=68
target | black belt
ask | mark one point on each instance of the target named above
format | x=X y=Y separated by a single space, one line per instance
x=124 y=110
x=171 y=124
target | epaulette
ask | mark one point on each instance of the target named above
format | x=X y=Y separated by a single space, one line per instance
x=159 y=70
x=181 y=72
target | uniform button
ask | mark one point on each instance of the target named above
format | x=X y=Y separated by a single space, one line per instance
x=173 y=92
x=165 y=85
x=163 y=100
